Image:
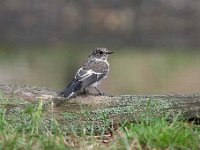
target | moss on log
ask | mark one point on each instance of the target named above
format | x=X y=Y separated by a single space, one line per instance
x=91 y=108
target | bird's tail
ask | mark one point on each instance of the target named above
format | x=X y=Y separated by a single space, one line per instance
x=70 y=90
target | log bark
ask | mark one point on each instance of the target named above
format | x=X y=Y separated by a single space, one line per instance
x=92 y=108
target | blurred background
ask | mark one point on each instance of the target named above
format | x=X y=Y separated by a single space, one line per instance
x=156 y=43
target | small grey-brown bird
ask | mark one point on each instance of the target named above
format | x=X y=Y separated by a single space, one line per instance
x=93 y=71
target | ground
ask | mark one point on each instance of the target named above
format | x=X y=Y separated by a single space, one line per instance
x=32 y=115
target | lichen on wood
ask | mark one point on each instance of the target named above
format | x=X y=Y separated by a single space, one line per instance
x=92 y=108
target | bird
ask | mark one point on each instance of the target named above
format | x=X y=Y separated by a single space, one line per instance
x=91 y=74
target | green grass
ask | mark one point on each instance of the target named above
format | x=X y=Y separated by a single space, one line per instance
x=25 y=126
x=159 y=134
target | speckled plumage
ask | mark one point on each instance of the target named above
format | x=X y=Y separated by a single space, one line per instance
x=93 y=71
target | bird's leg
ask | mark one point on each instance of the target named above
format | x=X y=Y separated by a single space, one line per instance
x=85 y=91
x=99 y=93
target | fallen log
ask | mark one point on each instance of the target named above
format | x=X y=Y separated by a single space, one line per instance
x=98 y=109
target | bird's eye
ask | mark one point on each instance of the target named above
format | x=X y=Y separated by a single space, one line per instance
x=100 y=52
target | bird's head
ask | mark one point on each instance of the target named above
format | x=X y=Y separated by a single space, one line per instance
x=100 y=53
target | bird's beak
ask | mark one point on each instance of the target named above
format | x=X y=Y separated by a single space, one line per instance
x=110 y=52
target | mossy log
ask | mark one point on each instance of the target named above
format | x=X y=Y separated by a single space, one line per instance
x=93 y=108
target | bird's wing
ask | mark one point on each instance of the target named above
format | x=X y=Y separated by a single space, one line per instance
x=88 y=76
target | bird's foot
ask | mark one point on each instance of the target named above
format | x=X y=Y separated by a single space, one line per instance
x=104 y=94
x=85 y=91
x=99 y=92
